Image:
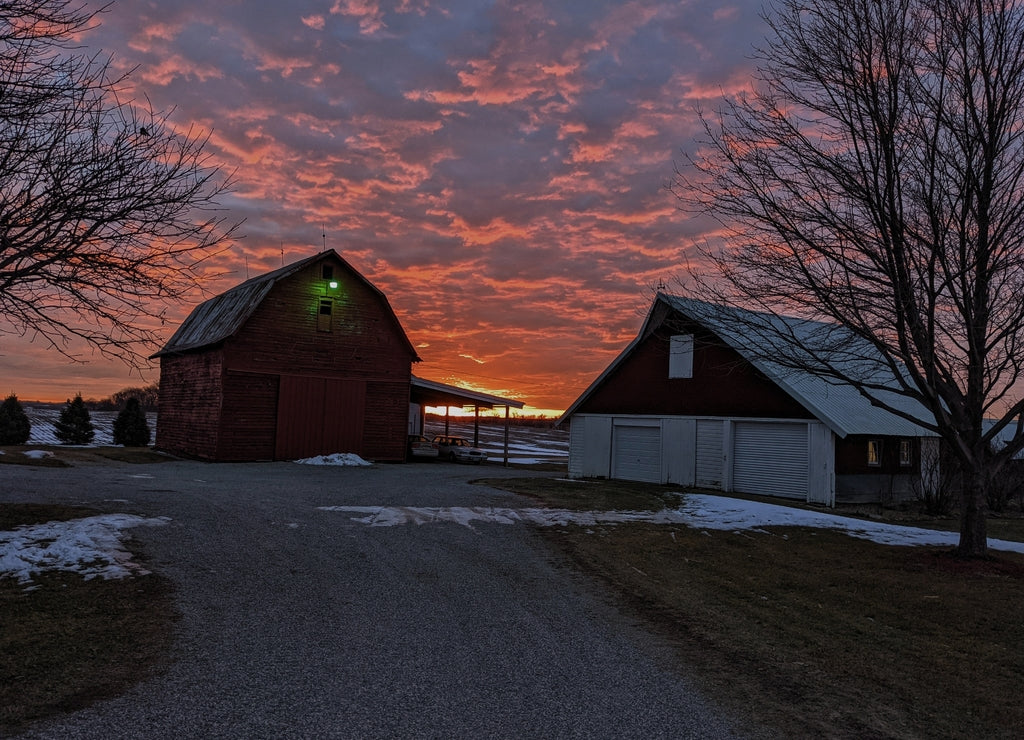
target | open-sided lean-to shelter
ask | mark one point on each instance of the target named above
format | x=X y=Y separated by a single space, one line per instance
x=687 y=403
x=309 y=359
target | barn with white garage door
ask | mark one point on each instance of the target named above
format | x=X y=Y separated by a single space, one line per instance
x=685 y=404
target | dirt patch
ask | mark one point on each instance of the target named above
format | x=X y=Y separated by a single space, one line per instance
x=63 y=457
x=589 y=495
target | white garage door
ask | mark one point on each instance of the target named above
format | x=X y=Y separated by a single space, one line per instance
x=577 y=430
x=709 y=453
x=770 y=459
x=636 y=453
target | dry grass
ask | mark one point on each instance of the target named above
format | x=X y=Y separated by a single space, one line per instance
x=813 y=633
x=597 y=495
x=69 y=641
x=70 y=456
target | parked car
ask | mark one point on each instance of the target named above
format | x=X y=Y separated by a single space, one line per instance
x=420 y=447
x=459 y=449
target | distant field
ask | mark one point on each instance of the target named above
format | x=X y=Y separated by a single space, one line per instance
x=526 y=445
x=43 y=420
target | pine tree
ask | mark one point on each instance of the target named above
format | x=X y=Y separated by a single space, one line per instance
x=74 y=426
x=14 y=424
x=130 y=426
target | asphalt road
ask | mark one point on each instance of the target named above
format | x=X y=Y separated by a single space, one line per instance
x=301 y=623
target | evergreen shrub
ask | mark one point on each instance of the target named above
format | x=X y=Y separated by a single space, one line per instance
x=74 y=427
x=14 y=424
x=130 y=426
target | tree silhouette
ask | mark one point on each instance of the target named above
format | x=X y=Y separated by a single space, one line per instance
x=74 y=426
x=130 y=426
x=874 y=179
x=107 y=210
x=14 y=424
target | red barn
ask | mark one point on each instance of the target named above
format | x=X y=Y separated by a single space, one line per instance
x=306 y=360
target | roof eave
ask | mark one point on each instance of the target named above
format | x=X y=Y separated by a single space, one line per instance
x=484 y=400
x=613 y=366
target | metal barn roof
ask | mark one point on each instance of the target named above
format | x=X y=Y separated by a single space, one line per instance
x=840 y=406
x=432 y=393
x=221 y=317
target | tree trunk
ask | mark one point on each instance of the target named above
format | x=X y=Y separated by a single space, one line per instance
x=973 y=512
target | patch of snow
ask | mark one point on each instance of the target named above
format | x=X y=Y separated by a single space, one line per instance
x=700 y=511
x=92 y=546
x=338 y=458
x=38 y=454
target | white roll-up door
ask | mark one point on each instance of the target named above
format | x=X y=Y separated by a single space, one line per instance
x=636 y=453
x=770 y=459
x=709 y=453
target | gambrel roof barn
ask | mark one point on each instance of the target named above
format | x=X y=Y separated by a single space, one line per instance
x=305 y=360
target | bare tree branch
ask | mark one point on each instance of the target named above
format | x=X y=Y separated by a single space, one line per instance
x=107 y=213
x=875 y=180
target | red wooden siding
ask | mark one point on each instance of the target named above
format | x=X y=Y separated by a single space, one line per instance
x=387 y=427
x=282 y=387
x=723 y=384
x=282 y=335
x=249 y=419
x=190 y=402
x=319 y=416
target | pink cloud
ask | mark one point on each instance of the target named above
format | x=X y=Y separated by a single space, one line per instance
x=498 y=170
x=316 y=22
x=367 y=12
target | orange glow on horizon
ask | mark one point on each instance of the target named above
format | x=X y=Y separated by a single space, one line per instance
x=463 y=413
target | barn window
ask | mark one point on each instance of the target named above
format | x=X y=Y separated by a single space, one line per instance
x=323 y=319
x=331 y=283
x=906 y=453
x=680 y=356
x=874 y=452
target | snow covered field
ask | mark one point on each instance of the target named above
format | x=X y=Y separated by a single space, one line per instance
x=43 y=420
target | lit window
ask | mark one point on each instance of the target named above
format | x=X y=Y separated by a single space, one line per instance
x=874 y=452
x=906 y=453
x=680 y=357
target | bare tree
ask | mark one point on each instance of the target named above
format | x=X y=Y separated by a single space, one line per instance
x=107 y=212
x=874 y=180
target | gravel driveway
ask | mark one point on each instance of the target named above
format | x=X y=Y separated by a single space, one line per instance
x=301 y=623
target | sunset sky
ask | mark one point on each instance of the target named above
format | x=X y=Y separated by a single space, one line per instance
x=498 y=169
